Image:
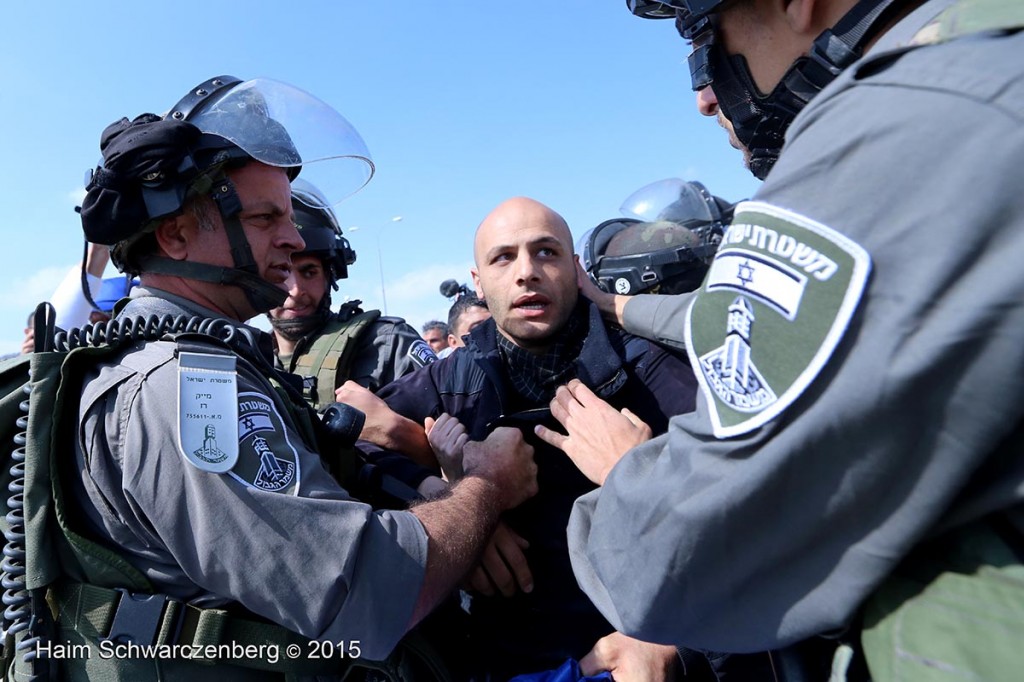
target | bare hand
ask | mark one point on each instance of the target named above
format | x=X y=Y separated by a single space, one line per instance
x=29 y=344
x=447 y=436
x=598 y=434
x=503 y=567
x=506 y=461
x=610 y=305
x=384 y=426
x=630 y=660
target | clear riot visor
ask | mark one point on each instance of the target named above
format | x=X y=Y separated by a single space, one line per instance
x=672 y=9
x=672 y=199
x=281 y=125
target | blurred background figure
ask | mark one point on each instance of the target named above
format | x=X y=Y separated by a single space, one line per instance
x=467 y=312
x=435 y=333
x=328 y=348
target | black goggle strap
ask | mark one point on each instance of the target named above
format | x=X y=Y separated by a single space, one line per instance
x=230 y=206
x=245 y=274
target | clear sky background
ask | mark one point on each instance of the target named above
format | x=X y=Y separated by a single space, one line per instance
x=462 y=104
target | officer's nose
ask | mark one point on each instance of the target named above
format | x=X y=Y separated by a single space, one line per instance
x=292 y=284
x=707 y=103
x=288 y=237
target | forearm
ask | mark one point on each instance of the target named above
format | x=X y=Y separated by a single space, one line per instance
x=407 y=437
x=656 y=317
x=96 y=259
x=458 y=525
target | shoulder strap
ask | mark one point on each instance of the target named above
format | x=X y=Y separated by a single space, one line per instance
x=331 y=355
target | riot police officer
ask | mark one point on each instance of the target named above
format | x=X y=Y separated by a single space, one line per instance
x=328 y=348
x=854 y=465
x=198 y=507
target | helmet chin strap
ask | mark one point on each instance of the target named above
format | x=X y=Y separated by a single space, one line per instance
x=262 y=295
x=760 y=121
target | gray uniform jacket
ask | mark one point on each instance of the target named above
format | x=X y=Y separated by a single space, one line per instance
x=389 y=350
x=741 y=533
x=297 y=549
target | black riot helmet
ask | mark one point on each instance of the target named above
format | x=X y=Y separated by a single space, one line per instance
x=665 y=245
x=154 y=165
x=760 y=120
x=319 y=228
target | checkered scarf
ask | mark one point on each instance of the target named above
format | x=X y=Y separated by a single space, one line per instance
x=535 y=377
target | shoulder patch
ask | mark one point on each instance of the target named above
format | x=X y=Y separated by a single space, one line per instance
x=775 y=303
x=421 y=353
x=207 y=410
x=266 y=459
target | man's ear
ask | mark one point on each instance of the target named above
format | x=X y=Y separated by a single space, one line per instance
x=172 y=237
x=804 y=16
x=476 y=284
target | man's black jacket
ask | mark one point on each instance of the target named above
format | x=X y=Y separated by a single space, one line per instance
x=555 y=620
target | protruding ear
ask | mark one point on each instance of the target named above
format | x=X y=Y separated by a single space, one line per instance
x=172 y=237
x=476 y=284
x=804 y=16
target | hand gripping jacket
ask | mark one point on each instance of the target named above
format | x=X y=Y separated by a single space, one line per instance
x=69 y=599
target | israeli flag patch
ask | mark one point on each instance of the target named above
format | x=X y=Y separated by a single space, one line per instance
x=268 y=461
x=777 y=299
x=208 y=411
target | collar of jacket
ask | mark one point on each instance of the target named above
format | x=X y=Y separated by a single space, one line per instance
x=145 y=302
x=598 y=366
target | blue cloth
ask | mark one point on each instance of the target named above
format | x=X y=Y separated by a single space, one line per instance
x=112 y=290
x=567 y=672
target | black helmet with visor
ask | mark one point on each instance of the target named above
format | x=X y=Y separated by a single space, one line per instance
x=318 y=227
x=154 y=165
x=664 y=245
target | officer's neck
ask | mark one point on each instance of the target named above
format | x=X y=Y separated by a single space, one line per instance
x=285 y=346
x=215 y=297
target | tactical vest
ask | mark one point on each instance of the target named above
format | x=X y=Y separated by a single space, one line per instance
x=76 y=609
x=328 y=361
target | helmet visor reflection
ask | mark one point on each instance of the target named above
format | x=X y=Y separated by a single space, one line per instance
x=281 y=125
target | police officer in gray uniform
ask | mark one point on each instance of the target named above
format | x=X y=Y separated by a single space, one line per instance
x=196 y=460
x=327 y=348
x=859 y=340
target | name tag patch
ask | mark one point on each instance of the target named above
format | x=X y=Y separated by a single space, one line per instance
x=207 y=411
x=775 y=303
x=421 y=353
x=266 y=461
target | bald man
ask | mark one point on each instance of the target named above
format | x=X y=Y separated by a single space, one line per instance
x=527 y=613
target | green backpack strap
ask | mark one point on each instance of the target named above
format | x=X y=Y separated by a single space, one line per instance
x=56 y=392
x=331 y=355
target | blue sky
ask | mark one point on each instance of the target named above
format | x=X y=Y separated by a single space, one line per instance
x=462 y=104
